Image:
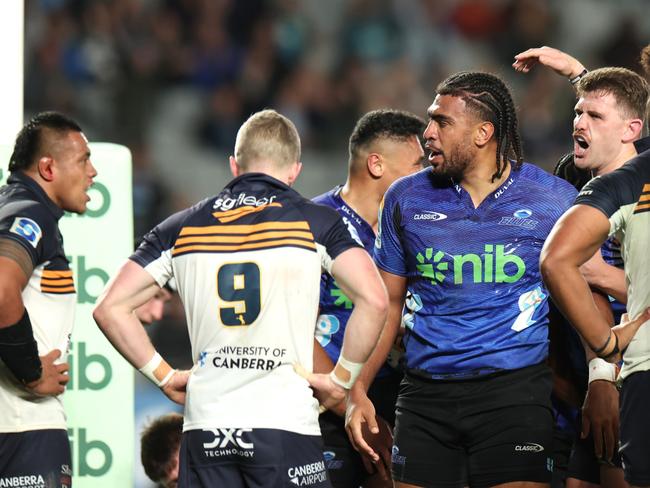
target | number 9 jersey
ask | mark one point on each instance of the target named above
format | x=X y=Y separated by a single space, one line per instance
x=247 y=264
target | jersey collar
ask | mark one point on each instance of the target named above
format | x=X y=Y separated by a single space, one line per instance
x=28 y=182
x=642 y=145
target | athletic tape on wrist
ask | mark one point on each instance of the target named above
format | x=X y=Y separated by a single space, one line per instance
x=149 y=370
x=345 y=372
x=599 y=369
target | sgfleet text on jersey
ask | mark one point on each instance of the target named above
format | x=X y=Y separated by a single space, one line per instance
x=226 y=203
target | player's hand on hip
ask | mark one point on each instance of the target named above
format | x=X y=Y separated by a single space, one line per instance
x=176 y=387
x=328 y=393
x=382 y=444
x=600 y=417
x=559 y=61
x=359 y=416
x=53 y=378
x=626 y=330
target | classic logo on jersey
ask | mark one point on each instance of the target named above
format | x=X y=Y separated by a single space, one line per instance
x=643 y=205
x=28 y=229
x=326 y=326
x=308 y=474
x=228 y=442
x=429 y=215
x=520 y=218
x=495 y=265
x=529 y=447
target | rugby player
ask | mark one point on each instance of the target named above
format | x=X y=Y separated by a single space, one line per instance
x=383 y=147
x=474 y=407
x=51 y=172
x=611 y=102
x=613 y=204
x=247 y=265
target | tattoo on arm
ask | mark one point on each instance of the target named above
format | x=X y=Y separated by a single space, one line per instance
x=14 y=251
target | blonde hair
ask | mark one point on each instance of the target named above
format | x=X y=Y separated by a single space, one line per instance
x=267 y=137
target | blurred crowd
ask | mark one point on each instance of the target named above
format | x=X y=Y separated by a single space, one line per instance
x=112 y=63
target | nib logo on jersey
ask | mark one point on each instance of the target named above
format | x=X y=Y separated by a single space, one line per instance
x=308 y=474
x=495 y=265
x=228 y=442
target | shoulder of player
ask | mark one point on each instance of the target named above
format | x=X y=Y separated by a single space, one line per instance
x=538 y=178
x=325 y=198
x=627 y=182
x=406 y=185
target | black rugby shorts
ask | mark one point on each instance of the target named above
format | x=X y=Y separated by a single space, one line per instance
x=482 y=432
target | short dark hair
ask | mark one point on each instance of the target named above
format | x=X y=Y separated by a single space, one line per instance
x=384 y=123
x=489 y=98
x=30 y=138
x=630 y=90
x=158 y=443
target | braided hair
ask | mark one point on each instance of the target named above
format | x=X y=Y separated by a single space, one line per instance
x=489 y=97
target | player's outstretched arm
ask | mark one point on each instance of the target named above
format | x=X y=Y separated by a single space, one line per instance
x=562 y=63
x=574 y=239
x=114 y=314
x=360 y=410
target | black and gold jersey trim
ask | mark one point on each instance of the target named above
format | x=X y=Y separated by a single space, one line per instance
x=643 y=204
x=60 y=282
x=237 y=238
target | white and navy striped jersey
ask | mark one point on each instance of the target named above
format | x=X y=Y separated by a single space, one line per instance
x=247 y=263
x=30 y=218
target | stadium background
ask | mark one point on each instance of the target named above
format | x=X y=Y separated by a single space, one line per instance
x=173 y=80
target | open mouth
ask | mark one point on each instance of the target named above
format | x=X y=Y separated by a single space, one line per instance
x=581 y=141
x=580 y=145
x=434 y=154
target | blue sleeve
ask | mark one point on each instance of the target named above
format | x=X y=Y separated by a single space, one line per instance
x=389 y=251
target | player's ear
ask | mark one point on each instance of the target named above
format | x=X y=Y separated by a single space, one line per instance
x=234 y=167
x=375 y=165
x=294 y=172
x=483 y=134
x=45 y=168
x=633 y=130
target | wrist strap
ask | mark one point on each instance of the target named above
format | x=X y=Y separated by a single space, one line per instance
x=599 y=369
x=578 y=77
x=19 y=351
x=345 y=372
x=158 y=371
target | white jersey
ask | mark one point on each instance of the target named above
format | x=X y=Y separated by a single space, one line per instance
x=247 y=264
x=30 y=218
x=624 y=196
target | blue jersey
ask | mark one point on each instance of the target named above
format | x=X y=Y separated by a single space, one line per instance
x=335 y=307
x=479 y=304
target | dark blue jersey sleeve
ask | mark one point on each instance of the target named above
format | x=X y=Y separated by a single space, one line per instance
x=389 y=251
